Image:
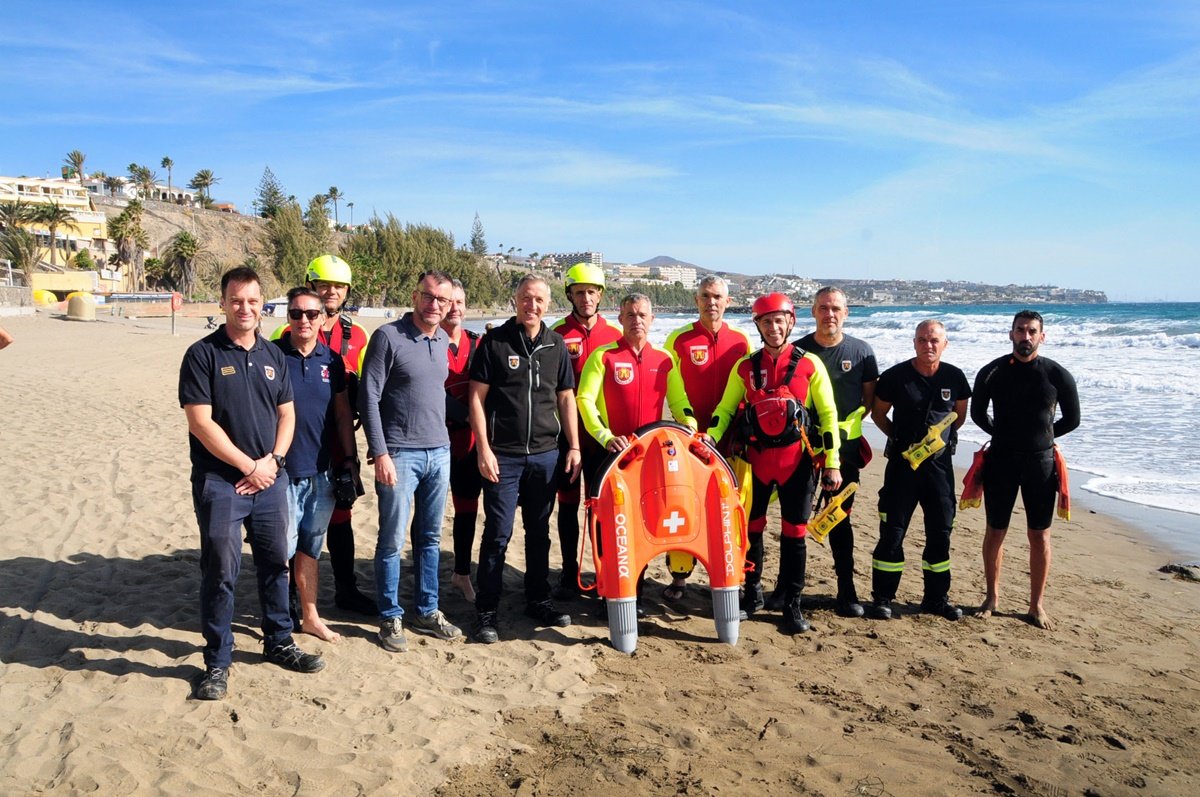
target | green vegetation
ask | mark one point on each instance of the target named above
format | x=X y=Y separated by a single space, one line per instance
x=169 y=165
x=271 y=196
x=181 y=259
x=75 y=160
x=132 y=241
x=203 y=181
x=53 y=215
x=478 y=242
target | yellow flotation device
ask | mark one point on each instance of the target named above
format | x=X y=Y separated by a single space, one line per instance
x=833 y=514
x=930 y=444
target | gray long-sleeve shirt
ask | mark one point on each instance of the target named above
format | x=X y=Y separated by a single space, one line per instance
x=401 y=396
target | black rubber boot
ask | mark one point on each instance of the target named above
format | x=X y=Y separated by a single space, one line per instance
x=568 y=544
x=346 y=596
x=793 y=562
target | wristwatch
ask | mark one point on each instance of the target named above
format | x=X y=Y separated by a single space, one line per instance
x=280 y=460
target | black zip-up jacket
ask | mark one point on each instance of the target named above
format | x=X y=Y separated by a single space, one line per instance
x=524 y=378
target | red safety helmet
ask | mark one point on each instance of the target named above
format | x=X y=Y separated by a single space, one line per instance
x=772 y=303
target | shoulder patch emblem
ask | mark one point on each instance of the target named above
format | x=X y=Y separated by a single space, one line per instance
x=846 y=366
x=623 y=373
x=514 y=362
x=699 y=354
x=945 y=394
x=574 y=347
x=228 y=370
x=269 y=372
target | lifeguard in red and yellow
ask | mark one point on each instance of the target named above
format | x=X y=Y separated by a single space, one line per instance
x=780 y=384
x=583 y=330
x=705 y=352
x=624 y=384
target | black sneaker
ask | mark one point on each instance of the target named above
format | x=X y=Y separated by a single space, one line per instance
x=213 y=685
x=485 y=629
x=290 y=657
x=880 y=610
x=848 y=608
x=793 y=618
x=544 y=613
x=942 y=608
x=349 y=599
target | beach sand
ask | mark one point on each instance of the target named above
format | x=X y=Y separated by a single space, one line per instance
x=100 y=643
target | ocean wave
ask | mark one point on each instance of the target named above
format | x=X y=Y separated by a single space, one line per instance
x=1181 y=496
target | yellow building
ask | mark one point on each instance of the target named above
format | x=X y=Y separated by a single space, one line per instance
x=87 y=229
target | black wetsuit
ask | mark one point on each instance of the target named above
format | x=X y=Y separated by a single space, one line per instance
x=1023 y=398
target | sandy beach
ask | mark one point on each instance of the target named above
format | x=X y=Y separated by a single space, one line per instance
x=99 y=645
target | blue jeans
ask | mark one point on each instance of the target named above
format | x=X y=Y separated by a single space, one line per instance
x=310 y=506
x=528 y=482
x=221 y=513
x=422 y=481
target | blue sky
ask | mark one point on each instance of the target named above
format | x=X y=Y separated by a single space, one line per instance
x=1027 y=142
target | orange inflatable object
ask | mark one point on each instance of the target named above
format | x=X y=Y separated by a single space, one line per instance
x=668 y=491
x=1064 y=486
x=972 y=494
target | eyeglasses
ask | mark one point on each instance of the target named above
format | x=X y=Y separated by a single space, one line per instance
x=311 y=315
x=430 y=298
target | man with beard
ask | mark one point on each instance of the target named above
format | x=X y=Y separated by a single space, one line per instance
x=1024 y=390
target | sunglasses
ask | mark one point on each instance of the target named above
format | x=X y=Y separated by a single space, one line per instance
x=311 y=315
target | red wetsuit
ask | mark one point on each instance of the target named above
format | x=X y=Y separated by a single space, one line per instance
x=705 y=360
x=621 y=390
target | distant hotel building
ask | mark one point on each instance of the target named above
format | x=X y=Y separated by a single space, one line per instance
x=87 y=229
x=684 y=275
x=568 y=259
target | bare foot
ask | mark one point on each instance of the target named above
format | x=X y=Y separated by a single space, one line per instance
x=464 y=585
x=1038 y=618
x=318 y=629
x=988 y=606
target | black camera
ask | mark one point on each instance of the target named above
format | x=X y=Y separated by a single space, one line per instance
x=344 y=489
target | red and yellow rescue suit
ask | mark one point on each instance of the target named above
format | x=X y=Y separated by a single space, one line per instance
x=621 y=390
x=704 y=360
x=779 y=393
x=581 y=341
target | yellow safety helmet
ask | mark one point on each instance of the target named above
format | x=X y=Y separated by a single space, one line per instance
x=329 y=268
x=584 y=273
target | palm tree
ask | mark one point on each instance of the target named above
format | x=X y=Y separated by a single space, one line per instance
x=75 y=160
x=14 y=214
x=334 y=195
x=203 y=181
x=113 y=183
x=180 y=259
x=53 y=216
x=126 y=230
x=351 y=206
x=144 y=178
x=20 y=247
x=168 y=164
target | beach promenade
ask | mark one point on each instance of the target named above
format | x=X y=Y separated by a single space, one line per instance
x=99 y=644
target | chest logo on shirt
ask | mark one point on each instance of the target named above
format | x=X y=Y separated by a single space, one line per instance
x=699 y=354
x=228 y=370
x=574 y=347
x=846 y=366
x=269 y=372
x=514 y=362
x=623 y=373
x=324 y=373
x=945 y=394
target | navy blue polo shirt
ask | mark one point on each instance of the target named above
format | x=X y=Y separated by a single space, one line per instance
x=244 y=389
x=315 y=379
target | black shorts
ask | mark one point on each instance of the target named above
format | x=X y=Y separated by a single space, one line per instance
x=1033 y=474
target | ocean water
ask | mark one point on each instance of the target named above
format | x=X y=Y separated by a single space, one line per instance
x=1137 y=367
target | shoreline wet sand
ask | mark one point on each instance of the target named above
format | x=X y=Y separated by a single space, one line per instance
x=100 y=642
